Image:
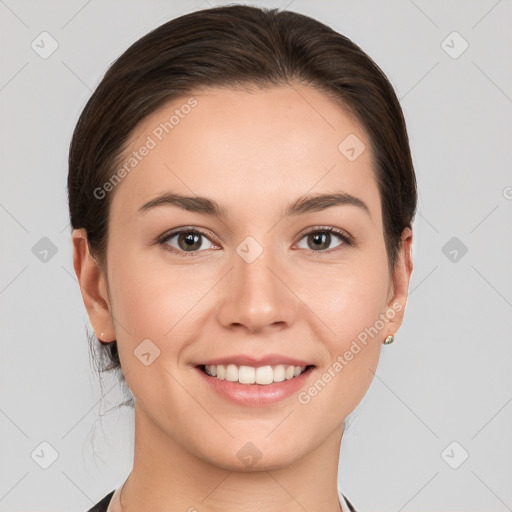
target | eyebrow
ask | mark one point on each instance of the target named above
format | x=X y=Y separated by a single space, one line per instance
x=302 y=205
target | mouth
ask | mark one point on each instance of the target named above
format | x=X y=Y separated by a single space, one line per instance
x=255 y=386
x=254 y=375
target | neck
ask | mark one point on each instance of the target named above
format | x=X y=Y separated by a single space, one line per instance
x=165 y=476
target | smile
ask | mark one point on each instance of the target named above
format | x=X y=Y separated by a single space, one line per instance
x=255 y=386
x=262 y=375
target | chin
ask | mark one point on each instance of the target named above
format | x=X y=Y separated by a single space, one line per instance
x=251 y=457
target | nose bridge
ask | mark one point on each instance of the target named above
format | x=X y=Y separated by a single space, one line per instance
x=255 y=294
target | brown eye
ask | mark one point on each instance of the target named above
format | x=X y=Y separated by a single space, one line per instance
x=188 y=241
x=320 y=239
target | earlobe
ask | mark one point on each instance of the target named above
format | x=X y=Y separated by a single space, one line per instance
x=92 y=287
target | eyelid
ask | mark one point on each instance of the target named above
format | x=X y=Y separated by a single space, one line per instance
x=186 y=229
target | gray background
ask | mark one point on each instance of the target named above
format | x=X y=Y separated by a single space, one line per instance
x=447 y=378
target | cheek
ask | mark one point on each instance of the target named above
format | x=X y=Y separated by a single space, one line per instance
x=147 y=308
x=349 y=303
x=144 y=290
x=348 y=298
x=158 y=301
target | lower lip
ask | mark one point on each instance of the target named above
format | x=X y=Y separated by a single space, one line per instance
x=256 y=394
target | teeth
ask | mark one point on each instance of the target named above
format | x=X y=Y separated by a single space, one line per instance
x=263 y=375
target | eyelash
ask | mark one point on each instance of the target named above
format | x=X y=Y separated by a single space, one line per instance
x=345 y=237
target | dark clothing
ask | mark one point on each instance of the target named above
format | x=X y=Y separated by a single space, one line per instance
x=102 y=505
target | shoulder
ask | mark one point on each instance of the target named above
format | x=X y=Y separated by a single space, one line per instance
x=102 y=505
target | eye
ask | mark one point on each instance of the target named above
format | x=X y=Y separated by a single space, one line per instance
x=319 y=239
x=188 y=241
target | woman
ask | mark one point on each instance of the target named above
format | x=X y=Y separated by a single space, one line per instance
x=241 y=193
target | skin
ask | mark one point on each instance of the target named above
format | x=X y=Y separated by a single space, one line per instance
x=254 y=153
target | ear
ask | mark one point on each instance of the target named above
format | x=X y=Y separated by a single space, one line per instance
x=399 y=288
x=93 y=287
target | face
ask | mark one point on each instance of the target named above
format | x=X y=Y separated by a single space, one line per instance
x=186 y=286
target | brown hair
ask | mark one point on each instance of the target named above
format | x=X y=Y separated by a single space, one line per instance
x=235 y=46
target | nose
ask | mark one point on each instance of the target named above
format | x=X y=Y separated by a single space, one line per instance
x=256 y=296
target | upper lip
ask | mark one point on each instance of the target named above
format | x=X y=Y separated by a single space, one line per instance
x=246 y=360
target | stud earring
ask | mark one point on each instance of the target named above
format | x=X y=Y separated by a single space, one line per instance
x=389 y=339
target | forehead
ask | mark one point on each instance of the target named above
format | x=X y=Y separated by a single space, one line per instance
x=251 y=148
